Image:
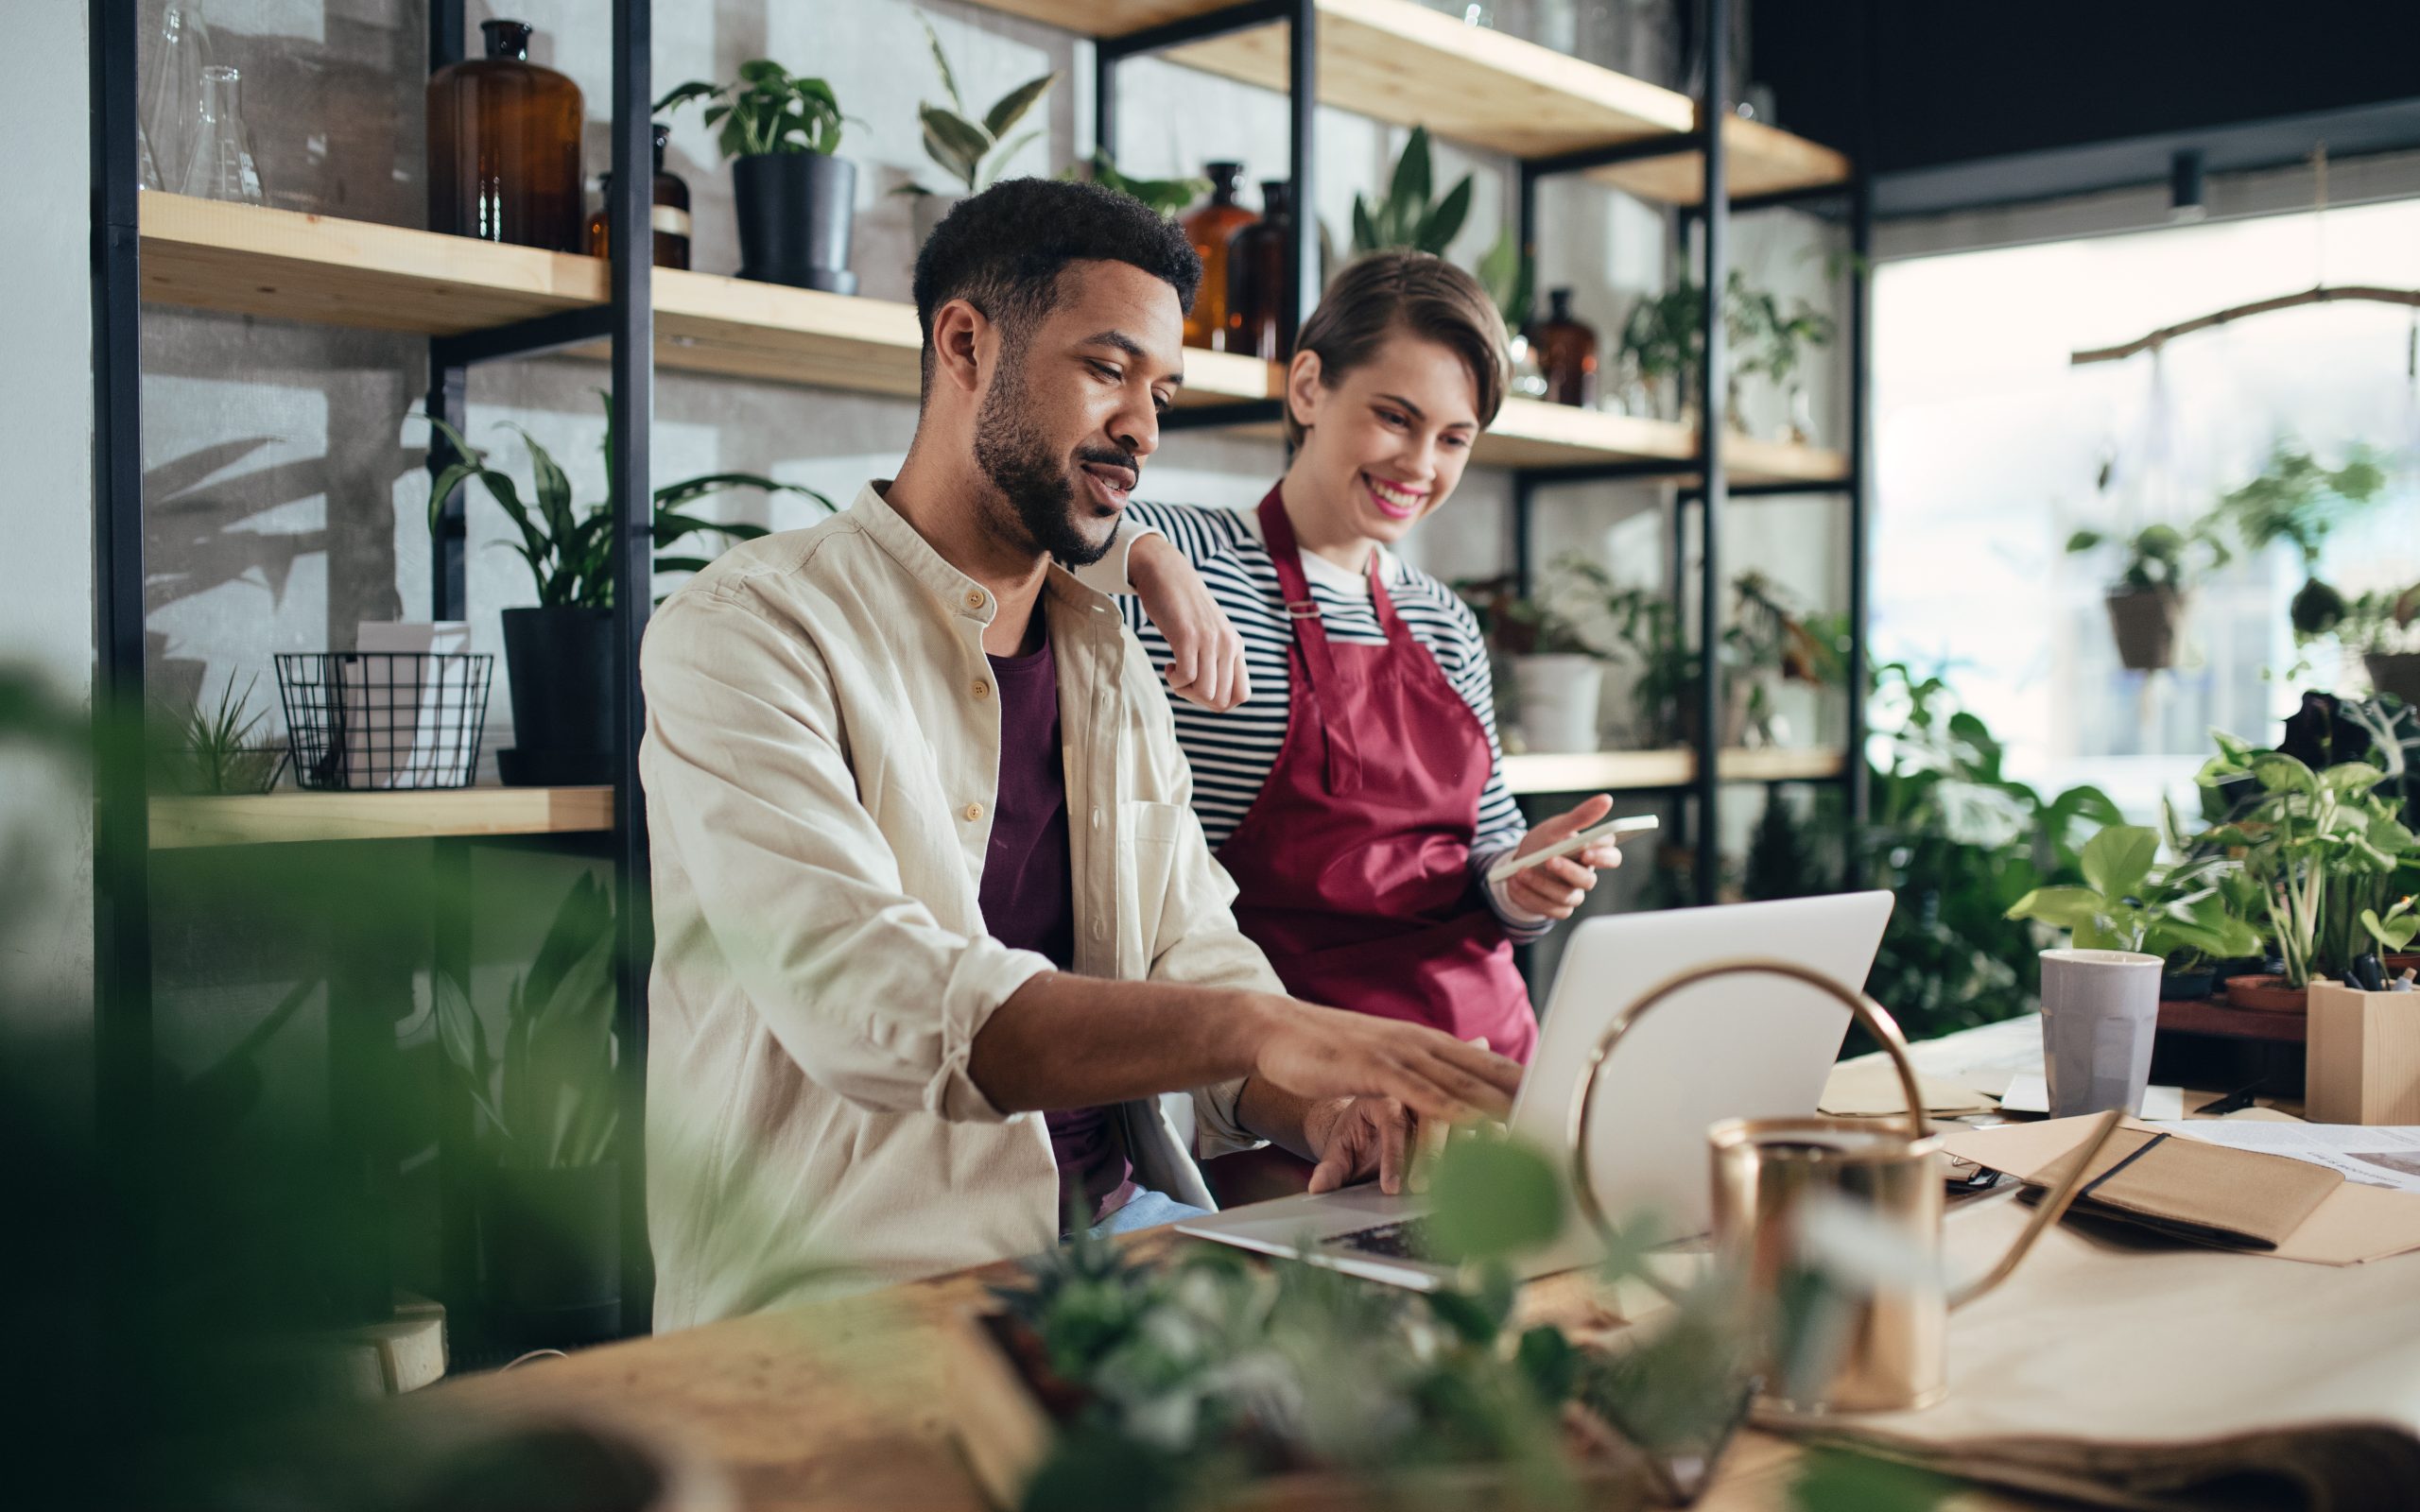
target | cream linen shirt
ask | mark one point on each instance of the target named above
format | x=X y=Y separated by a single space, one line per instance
x=821 y=761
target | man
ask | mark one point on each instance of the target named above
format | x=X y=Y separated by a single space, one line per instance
x=937 y=925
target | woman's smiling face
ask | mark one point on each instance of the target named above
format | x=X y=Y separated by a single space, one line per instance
x=1385 y=443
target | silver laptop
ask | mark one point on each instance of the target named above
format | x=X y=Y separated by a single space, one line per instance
x=1736 y=1047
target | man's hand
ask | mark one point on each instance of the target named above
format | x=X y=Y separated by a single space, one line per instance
x=1556 y=888
x=1320 y=1054
x=1353 y=1138
x=1207 y=666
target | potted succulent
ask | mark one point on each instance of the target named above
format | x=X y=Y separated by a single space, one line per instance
x=2380 y=628
x=2148 y=601
x=972 y=151
x=2129 y=902
x=560 y=655
x=797 y=201
x=2297 y=500
x=1558 y=678
x=548 y=1107
x=2319 y=847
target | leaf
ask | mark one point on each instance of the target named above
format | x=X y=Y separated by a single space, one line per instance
x=2117 y=859
x=1549 y=1360
x=1438 y=227
x=1410 y=184
x=2348 y=778
x=694 y=89
x=941 y=61
x=1012 y=106
x=964 y=142
x=2065 y=907
x=1495 y=1197
x=552 y=486
x=2280 y=773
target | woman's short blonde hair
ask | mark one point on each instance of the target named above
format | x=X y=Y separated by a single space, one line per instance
x=1418 y=294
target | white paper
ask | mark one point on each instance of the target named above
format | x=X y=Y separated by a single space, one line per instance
x=2376 y=1155
x=415 y=749
x=2030 y=1093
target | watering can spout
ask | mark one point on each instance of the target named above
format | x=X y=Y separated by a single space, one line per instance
x=2050 y=1210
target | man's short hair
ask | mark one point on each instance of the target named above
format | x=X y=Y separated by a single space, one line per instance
x=1002 y=251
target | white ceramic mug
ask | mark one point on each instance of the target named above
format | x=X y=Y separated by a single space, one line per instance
x=2100 y=1009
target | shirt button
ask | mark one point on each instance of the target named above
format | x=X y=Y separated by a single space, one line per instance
x=982 y=689
x=1100 y=931
x=974 y=812
x=1096 y=818
x=974 y=598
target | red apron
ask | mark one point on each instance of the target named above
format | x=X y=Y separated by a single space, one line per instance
x=1353 y=865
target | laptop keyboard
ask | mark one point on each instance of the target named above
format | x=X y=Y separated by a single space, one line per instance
x=1402 y=1238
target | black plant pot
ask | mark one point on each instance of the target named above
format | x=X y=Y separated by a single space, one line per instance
x=552 y=1245
x=561 y=666
x=796 y=210
x=2187 y=987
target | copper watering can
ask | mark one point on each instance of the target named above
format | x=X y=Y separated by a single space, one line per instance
x=1770 y=1174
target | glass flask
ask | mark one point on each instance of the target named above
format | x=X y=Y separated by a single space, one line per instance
x=219 y=165
x=172 y=93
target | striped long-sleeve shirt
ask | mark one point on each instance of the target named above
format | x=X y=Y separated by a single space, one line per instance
x=1232 y=753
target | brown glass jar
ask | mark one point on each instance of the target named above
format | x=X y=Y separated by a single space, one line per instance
x=1257 y=277
x=669 y=213
x=1568 y=351
x=503 y=146
x=1210 y=228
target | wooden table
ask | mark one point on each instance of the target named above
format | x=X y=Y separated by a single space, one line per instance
x=835 y=1407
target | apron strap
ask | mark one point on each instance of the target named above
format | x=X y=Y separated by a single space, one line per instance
x=1343 y=763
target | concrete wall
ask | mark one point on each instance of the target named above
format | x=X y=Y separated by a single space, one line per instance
x=46 y=501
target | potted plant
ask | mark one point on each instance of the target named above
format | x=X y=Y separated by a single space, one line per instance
x=1662 y=343
x=1773 y=342
x=1558 y=678
x=972 y=151
x=2128 y=903
x=218 y=749
x=2379 y=627
x=2147 y=601
x=548 y=1108
x=560 y=655
x=1771 y=638
x=796 y=201
x=2320 y=849
x=1166 y=196
x=2298 y=501
x=1407 y=215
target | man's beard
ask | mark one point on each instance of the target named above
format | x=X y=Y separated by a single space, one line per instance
x=1036 y=481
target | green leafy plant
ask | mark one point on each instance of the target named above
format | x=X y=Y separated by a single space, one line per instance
x=214 y=747
x=2394 y=931
x=549 y=1096
x=1510 y=276
x=1769 y=338
x=1517 y=626
x=1166 y=196
x=2323 y=847
x=2298 y=501
x=2127 y=901
x=2380 y=622
x=570 y=551
x=766 y=110
x=1664 y=335
x=2160 y=558
x=1407 y=215
x=971 y=150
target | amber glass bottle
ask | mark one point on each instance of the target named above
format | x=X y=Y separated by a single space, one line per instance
x=1210 y=228
x=1257 y=276
x=1567 y=352
x=670 y=215
x=503 y=146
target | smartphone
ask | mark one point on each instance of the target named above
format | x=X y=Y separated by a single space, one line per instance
x=1610 y=829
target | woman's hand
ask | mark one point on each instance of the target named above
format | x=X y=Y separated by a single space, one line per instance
x=1555 y=889
x=1207 y=666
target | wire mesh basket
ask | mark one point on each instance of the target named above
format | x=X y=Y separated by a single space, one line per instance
x=384 y=719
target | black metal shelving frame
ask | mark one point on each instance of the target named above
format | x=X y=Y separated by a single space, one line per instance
x=1714 y=489
x=123 y=986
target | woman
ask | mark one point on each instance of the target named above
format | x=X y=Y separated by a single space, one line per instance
x=1357 y=792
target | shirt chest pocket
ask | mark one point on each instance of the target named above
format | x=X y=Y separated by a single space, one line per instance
x=1151 y=836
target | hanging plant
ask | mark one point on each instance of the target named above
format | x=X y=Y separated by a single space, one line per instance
x=2297 y=500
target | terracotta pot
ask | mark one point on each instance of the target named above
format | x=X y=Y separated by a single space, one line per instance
x=2267 y=994
x=2144 y=623
x=2396 y=672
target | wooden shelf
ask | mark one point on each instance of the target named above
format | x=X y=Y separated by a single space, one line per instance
x=179 y=823
x=1401 y=62
x=1601 y=771
x=244 y=260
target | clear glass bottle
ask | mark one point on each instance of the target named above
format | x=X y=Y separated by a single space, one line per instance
x=504 y=148
x=1210 y=228
x=172 y=95
x=219 y=165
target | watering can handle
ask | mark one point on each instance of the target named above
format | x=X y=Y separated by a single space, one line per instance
x=1876 y=1018
x=2049 y=1210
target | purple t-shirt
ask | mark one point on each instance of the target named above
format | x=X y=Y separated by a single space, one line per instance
x=1028 y=900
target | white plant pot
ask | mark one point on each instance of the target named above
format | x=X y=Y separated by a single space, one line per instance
x=1559 y=698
